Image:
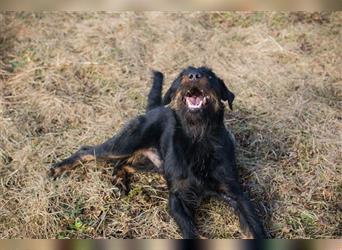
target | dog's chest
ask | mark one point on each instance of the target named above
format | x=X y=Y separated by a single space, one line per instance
x=199 y=158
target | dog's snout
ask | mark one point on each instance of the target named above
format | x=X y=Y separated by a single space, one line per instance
x=194 y=75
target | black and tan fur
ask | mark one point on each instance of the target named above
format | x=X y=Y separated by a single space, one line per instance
x=189 y=146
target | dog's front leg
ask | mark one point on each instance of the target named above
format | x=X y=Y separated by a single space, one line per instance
x=250 y=224
x=183 y=215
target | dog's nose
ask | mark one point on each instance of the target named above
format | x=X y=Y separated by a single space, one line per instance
x=194 y=75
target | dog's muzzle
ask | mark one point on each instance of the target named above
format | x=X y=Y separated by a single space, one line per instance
x=195 y=99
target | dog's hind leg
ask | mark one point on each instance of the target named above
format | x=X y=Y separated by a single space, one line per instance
x=83 y=155
x=140 y=133
x=143 y=160
x=137 y=161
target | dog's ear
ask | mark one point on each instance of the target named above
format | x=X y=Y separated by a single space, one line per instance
x=226 y=94
x=170 y=93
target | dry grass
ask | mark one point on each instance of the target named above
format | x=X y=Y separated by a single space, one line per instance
x=71 y=79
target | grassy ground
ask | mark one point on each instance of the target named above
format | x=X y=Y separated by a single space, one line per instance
x=73 y=79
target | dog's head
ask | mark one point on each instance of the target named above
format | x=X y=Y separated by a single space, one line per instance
x=197 y=90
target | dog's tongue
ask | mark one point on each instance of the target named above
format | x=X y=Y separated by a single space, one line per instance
x=194 y=100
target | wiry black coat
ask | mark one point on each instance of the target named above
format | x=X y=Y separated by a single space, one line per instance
x=196 y=152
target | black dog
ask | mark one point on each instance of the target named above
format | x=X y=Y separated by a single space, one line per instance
x=187 y=142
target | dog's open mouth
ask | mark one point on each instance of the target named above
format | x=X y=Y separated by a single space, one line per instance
x=195 y=99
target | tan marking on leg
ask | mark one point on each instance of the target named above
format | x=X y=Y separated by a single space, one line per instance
x=117 y=157
x=87 y=158
x=120 y=174
x=135 y=158
x=122 y=178
x=129 y=169
x=58 y=171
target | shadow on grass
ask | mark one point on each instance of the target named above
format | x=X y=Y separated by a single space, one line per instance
x=259 y=151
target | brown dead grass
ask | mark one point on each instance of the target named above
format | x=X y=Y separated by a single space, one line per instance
x=69 y=79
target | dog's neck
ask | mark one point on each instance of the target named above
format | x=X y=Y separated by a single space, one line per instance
x=199 y=126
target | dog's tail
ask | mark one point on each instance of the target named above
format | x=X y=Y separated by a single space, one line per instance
x=155 y=96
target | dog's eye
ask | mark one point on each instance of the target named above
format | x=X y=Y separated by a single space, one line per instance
x=210 y=77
